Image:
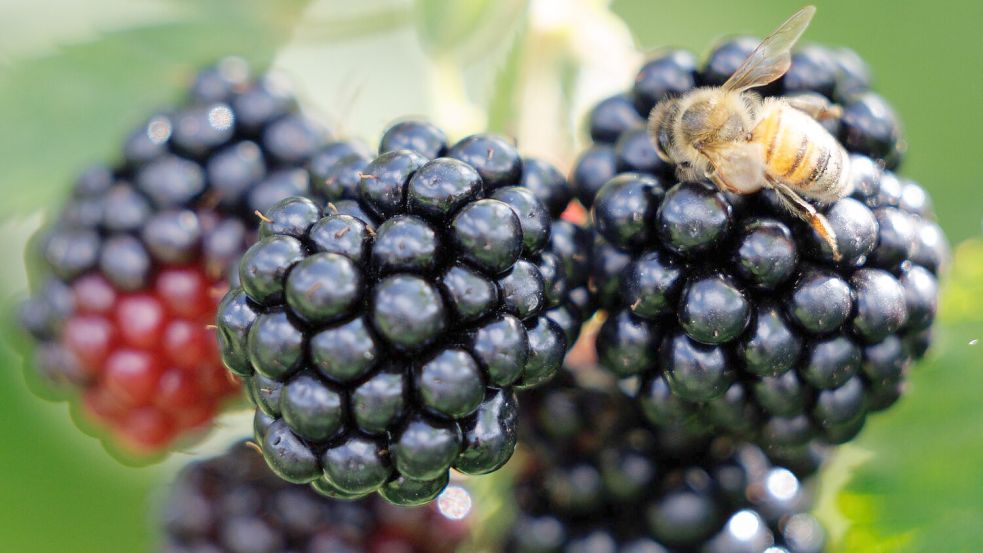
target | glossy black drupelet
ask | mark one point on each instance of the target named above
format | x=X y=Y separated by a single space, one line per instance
x=598 y=480
x=233 y=503
x=383 y=334
x=732 y=311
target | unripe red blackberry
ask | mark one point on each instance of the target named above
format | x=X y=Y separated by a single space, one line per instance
x=382 y=333
x=732 y=311
x=135 y=263
x=233 y=503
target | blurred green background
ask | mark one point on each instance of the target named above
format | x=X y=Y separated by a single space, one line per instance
x=74 y=76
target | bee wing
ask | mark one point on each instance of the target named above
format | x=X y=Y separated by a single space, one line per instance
x=771 y=59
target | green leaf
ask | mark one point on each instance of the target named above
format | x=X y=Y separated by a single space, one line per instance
x=920 y=487
x=72 y=108
x=503 y=103
x=468 y=30
x=445 y=24
x=338 y=27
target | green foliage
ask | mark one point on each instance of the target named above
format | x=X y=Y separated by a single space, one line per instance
x=466 y=29
x=494 y=508
x=502 y=108
x=54 y=107
x=345 y=26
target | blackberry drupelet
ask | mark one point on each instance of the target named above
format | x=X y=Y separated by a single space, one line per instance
x=381 y=337
x=733 y=312
x=591 y=460
x=233 y=503
x=136 y=262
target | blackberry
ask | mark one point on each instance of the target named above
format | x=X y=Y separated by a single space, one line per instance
x=732 y=312
x=384 y=334
x=594 y=167
x=591 y=460
x=233 y=503
x=137 y=260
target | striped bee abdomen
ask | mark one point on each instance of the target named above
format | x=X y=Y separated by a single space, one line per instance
x=801 y=153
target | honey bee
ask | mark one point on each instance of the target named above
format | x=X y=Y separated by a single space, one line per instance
x=744 y=143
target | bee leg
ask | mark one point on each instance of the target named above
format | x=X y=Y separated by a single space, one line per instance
x=718 y=179
x=807 y=212
x=815 y=106
x=738 y=168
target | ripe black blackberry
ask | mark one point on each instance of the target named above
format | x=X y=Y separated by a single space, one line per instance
x=730 y=310
x=136 y=261
x=233 y=503
x=382 y=337
x=590 y=461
